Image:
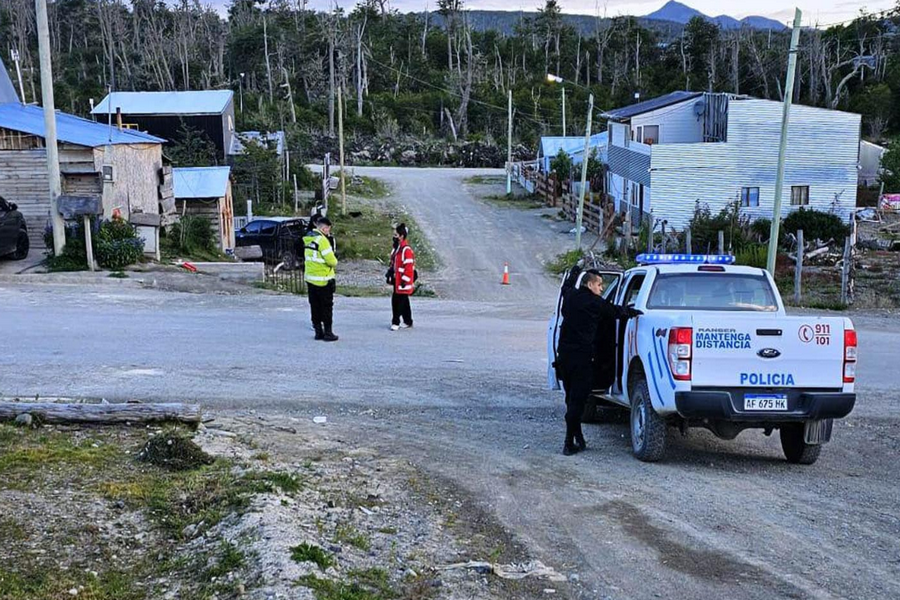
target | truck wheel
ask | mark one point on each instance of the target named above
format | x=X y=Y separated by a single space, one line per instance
x=648 y=429
x=22 y=246
x=795 y=449
x=600 y=411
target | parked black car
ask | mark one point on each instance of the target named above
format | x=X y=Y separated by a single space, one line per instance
x=13 y=233
x=279 y=238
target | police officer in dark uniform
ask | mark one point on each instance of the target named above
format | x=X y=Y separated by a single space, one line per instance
x=584 y=311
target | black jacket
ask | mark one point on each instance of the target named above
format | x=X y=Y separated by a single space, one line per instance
x=584 y=314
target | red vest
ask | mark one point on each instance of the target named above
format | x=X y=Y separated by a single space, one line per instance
x=404 y=269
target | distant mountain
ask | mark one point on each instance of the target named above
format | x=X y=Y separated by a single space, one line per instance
x=681 y=13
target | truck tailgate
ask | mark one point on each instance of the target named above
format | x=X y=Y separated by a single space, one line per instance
x=767 y=351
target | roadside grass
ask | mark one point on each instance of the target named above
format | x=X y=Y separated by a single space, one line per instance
x=515 y=201
x=485 y=180
x=99 y=468
x=366 y=231
x=368 y=584
x=311 y=553
x=345 y=533
x=348 y=291
x=366 y=187
x=563 y=262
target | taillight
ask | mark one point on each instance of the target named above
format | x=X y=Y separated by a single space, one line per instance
x=680 y=352
x=850 y=354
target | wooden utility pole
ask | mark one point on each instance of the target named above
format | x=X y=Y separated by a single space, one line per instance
x=584 y=165
x=782 y=147
x=56 y=220
x=509 y=134
x=564 y=110
x=340 y=108
x=798 y=268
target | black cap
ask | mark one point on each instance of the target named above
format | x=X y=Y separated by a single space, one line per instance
x=323 y=221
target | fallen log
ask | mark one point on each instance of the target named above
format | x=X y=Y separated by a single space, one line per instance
x=103 y=414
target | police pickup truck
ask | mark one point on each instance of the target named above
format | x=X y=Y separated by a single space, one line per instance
x=714 y=348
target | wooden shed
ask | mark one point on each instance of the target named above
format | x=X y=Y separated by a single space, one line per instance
x=206 y=192
x=121 y=167
x=165 y=113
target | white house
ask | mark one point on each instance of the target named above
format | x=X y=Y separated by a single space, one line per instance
x=668 y=153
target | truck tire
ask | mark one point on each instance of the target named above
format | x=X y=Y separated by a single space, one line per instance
x=648 y=429
x=600 y=411
x=796 y=450
x=22 y=245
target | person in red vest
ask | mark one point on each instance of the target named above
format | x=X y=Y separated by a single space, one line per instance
x=402 y=274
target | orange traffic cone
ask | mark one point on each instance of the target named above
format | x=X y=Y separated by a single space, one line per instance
x=505 y=274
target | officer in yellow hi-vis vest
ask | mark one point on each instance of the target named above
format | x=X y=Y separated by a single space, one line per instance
x=320 y=262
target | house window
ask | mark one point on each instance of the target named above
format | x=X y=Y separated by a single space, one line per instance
x=109 y=173
x=640 y=135
x=750 y=196
x=799 y=195
x=651 y=134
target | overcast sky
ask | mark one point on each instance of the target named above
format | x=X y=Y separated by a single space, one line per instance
x=821 y=11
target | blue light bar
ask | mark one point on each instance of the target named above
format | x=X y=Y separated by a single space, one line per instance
x=688 y=259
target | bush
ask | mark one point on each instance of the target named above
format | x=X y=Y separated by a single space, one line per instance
x=192 y=235
x=562 y=164
x=753 y=255
x=705 y=228
x=816 y=225
x=116 y=245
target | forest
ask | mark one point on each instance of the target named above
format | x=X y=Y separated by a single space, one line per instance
x=436 y=76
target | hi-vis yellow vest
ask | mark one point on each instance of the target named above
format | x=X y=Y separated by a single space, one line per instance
x=319 y=258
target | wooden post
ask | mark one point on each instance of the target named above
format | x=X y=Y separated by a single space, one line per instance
x=89 y=246
x=341 y=148
x=296 y=196
x=721 y=242
x=798 y=268
x=649 y=233
x=688 y=247
x=845 y=273
x=627 y=231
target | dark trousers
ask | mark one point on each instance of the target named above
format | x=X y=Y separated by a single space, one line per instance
x=321 y=305
x=401 y=308
x=577 y=374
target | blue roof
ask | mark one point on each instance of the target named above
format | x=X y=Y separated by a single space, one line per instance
x=550 y=145
x=633 y=110
x=69 y=128
x=201 y=182
x=203 y=102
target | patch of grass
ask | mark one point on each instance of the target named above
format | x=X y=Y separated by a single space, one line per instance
x=118 y=275
x=10 y=529
x=39 y=584
x=564 y=262
x=485 y=180
x=388 y=530
x=366 y=187
x=229 y=558
x=314 y=554
x=370 y=584
x=287 y=483
x=362 y=292
x=515 y=201
x=29 y=455
x=365 y=233
x=174 y=450
x=346 y=533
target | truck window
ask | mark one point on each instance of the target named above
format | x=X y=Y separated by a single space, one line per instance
x=712 y=291
x=633 y=289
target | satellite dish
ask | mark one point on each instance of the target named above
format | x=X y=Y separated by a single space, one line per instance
x=699 y=107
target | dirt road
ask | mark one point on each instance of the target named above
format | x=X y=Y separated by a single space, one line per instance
x=462 y=397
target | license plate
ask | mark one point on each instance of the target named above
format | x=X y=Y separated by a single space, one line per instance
x=765 y=402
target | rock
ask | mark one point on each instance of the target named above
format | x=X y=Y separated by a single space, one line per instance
x=26 y=420
x=190 y=531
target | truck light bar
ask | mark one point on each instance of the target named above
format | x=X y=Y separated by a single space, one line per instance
x=668 y=259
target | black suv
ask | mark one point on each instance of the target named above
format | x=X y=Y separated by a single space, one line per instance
x=279 y=238
x=13 y=233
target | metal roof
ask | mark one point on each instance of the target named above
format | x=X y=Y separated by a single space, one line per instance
x=598 y=140
x=69 y=128
x=205 y=102
x=7 y=91
x=550 y=145
x=201 y=182
x=275 y=138
x=626 y=112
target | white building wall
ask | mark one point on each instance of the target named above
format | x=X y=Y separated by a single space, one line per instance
x=822 y=154
x=678 y=124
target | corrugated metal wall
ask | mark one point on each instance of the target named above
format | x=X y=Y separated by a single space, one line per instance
x=632 y=165
x=678 y=124
x=822 y=154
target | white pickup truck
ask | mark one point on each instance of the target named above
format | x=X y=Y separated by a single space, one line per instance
x=715 y=349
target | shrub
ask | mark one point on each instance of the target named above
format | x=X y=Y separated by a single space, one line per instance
x=192 y=235
x=562 y=164
x=753 y=255
x=761 y=228
x=705 y=228
x=116 y=245
x=816 y=225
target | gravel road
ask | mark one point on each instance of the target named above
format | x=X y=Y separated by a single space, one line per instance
x=462 y=395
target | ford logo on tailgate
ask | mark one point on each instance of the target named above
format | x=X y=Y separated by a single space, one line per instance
x=768 y=353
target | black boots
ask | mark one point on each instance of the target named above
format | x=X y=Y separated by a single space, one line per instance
x=329 y=335
x=320 y=333
x=574 y=443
